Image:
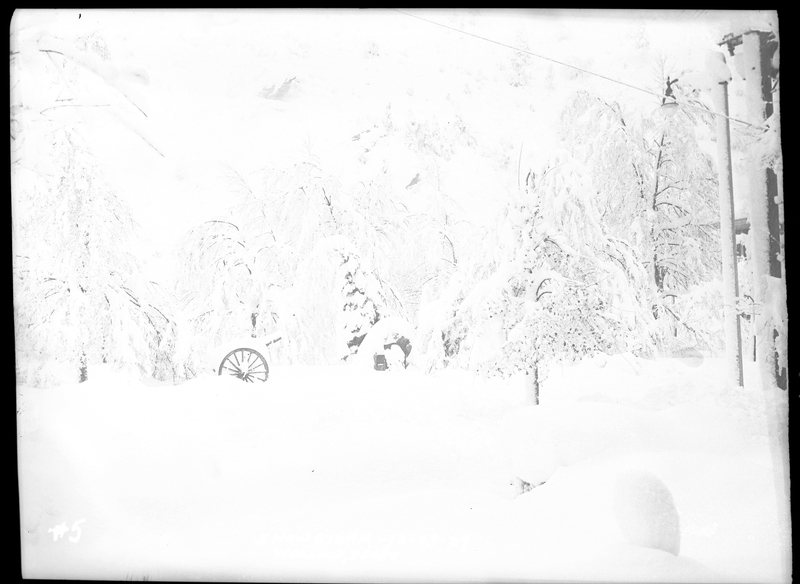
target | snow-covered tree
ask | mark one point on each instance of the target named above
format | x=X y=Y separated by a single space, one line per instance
x=448 y=327
x=560 y=287
x=293 y=241
x=76 y=301
x=239 y=271
x=569 y=290
x=76 y=297
x=657 y=190
x=66 y=74
x=403 y=220
x=221 y=284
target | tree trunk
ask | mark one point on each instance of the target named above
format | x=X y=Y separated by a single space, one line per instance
x=84 y=369
x=658 y=274
x=532 y=385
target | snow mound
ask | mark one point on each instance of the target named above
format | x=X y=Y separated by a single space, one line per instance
x=578 y=506
x=645 y=511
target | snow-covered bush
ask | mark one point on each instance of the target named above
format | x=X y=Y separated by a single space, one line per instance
x=392 y=331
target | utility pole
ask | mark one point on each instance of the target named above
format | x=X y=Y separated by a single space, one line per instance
x=730 y=279
x=730 y=276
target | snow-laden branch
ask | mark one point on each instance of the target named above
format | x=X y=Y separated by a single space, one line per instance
x=675 y=223
x=119 y=78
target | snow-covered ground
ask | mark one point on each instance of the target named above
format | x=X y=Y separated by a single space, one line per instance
x=344 y=473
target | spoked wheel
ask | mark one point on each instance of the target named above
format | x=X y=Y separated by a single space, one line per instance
x=246 y=364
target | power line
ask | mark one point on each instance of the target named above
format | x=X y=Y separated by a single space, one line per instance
x=563 y=64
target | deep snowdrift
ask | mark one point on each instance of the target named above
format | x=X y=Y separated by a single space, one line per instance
x=344 y=473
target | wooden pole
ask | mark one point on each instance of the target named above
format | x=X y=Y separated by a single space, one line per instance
x=730 y=278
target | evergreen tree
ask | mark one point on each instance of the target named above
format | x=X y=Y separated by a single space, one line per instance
x=359 y=308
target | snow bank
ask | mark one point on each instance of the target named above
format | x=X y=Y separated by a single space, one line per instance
x=346 y=472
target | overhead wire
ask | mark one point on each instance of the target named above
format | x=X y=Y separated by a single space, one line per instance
x=575 y=67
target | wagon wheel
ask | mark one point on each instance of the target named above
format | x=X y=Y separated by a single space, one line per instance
x=246 y=364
